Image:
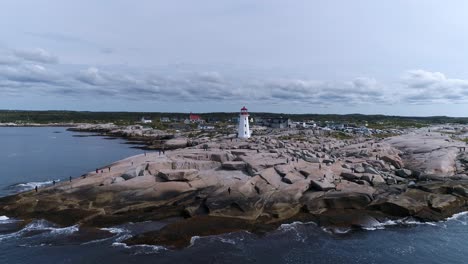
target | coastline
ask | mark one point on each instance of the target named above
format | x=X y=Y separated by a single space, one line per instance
x=192 y=183
x=39 y=125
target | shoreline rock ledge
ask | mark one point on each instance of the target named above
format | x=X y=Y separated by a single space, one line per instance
x=258 y=184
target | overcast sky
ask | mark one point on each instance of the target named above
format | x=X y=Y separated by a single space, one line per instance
x=401 y=57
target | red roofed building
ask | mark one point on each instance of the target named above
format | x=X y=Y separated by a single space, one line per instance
x=195 y=118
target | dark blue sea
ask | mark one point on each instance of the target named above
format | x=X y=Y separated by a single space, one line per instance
x=36 y=156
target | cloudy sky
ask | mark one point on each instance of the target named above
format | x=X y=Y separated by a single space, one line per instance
x=402 y=57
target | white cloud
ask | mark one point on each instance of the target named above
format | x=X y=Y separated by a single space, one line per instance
x=36 y=55
x=420 y=86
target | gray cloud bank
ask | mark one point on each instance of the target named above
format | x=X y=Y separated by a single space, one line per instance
x=37 y=71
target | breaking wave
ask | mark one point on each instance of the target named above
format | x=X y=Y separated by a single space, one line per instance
x=21 y=187
x=41 y=225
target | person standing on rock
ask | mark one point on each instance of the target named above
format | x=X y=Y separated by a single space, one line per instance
x=320 y=166
x=97 y=171
x=35 y=188
x=53 y=182
x=109 y=168
x=70 y=178
x=229 y=190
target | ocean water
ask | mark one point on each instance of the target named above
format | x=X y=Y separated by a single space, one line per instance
x=38 y=155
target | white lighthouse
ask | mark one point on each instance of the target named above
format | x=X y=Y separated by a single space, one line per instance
x=244 y=130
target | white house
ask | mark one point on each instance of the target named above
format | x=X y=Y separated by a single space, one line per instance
x=145 y=120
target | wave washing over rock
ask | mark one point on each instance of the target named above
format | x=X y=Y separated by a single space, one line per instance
x=22 y=187
x=41 y=225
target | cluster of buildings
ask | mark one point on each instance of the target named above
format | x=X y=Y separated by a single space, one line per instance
x=243 y=122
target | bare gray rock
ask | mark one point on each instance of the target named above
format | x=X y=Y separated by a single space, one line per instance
x=178 y=175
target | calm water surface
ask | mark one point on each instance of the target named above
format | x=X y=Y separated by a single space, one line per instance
x=31 y=156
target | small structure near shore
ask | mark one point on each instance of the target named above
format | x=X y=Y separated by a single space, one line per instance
x=274 y=122
x=146 y=120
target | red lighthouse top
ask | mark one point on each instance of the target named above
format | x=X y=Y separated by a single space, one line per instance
x=244 y=111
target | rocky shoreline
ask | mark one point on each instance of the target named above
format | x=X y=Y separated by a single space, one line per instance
x=149 y=138
x=227 y=185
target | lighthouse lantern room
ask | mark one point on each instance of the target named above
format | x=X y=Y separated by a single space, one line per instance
x=244 y=130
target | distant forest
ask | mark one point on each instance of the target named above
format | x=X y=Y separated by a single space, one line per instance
x=43 y=117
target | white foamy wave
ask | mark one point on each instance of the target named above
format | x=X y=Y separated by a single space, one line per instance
x=11 y=235
x=147 y=249
x=6 y=220
x=293 y=227
x=121 y=234
x=140 y=249
x=31 y=185
x=457 y=216
x=193 y=239
x=65 y=230
x=227 y=241
x=41 y=225
x=33 y=246
x=46 y=226
x=336 y=230
x=115 y=230
x=96 y=241
x=402 y=222
x=119 y=244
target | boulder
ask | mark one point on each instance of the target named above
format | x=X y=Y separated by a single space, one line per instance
x=394 y=160
x=349 y=176
x=445 y=202
x=292 y=177
x=234 y=165
x=349 y=200
x=312 y=159
x=409 y=203
x=460 y=190
x=117 y=180
x=133 y=172
x=219 y=157
x=403 y=173
x=359 y=169
x=374 y=179
x=272 y=177
x=178 y=175
x=284 y=169
x=176 y=143
x=155 y=167
x=194 y=164
x=259 y=162
x=371 y=170
x=322 y=185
